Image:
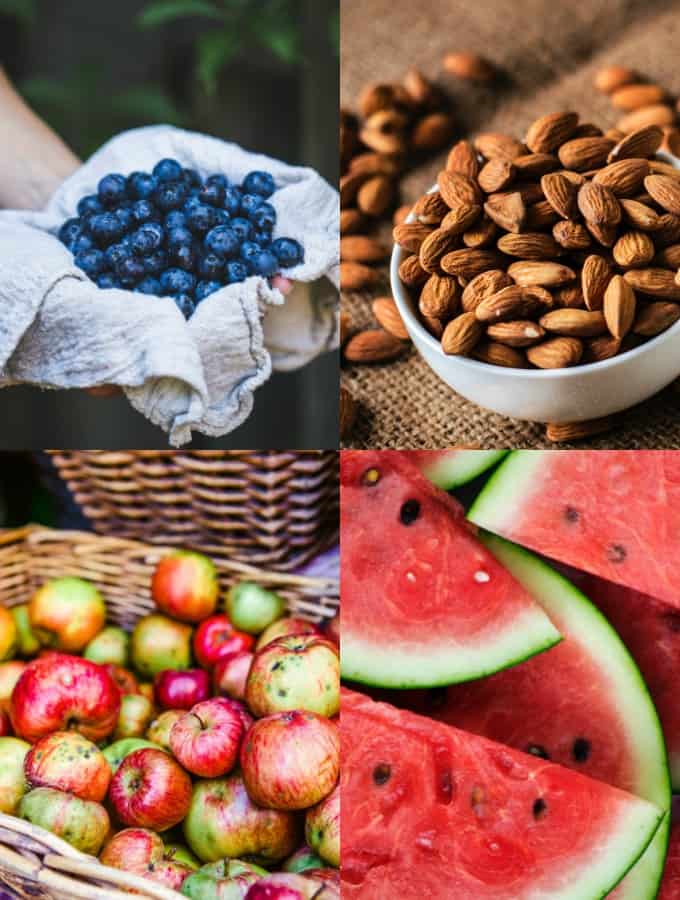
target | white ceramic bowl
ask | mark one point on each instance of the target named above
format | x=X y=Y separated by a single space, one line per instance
x=548 y=395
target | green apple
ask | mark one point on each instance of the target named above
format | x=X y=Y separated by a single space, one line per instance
x=83 y=823
x=12 y=779
x=180 y=853
x=27 y=643
x=111 y=645
x=159 y=643
x=115 y=753
x=302 y=859
x=160 y=728
x=227 y=879
x=322 y=828
x=136 y=712
x=251 y=608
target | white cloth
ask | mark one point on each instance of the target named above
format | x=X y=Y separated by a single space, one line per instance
x=59 y=330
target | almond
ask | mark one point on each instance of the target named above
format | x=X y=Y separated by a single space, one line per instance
x=529 y=191
x=461 y=334
x=375 y=195
x=349 y=187
x=529 y=245
x=459 y=218
x=657 y=167
x=412 y=273
x=653 y=318
x=611 y=78
x=439 y=297
x=358 y=248
x=372 y=163
x=419 y=88
x=560 y=193
x=481 y=235
x=665 y=191
x=633 y=249
x=483 y=285
x=655 y=282
x=669 y=257
x=430 y=209
x=351 y=221
x=619 y=307
x=493 y=144
x=411 y=235
x=381 y=141
x=386 y=312
x=574 y=322
x=671 y=141
x=600 y=348
x=468 y=263
x=555 y=353
x=668 y=231
x=434 y=326
x=495 y=175
x=507 y=210
x=571 y=235
x=512 y=302
x=660 y=114
x=496 y=354
x=598 y=205
x=570 y=296
x=642 y=142
x=634 y=96
x=401 y=214
x=516 y=333
x=373 y=345
x=457 y=189
x=625 y=177
x=377 y=96
x=345 y=326
x=432 y=132
x=463 y=159
x=551 y=131
x=546 y=274
x=577 y=431
x=535 y=165
x=585 y=153
x=541 y=215
x=348 y=410
x=469 y=66
x=639 y=215
x=603 y=234
x=595 y=276
x=355 y=276
x=435 y=246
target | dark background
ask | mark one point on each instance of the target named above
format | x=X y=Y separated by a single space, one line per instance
x=266 y=78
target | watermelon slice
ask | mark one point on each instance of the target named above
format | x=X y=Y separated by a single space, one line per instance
x=613 y=513
x=449 y=469
x=430 y=811
x=670 y=886
x=581 y=704
x=423 y=602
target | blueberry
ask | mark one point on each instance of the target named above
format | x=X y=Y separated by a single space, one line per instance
x=175 y=219
x=143 y=211
x=184 y=257
x=91 y=262
x=167 y=170
x=105 y=228
x=249 y=203
x=205 y=288
x=260 y=183
x=89 y=205
x=115 y=253
x=242 y=228
x=147 y=238
x=222 y=180
x=112 y=190
x=191 y=202
x=107 y=280
x=211 y=267
x=70 y=230
x=149 y=285
x=236 y=271
x=264 y=217
x=82 y=242
x=222 y=217
x=185 y=304
x=222 y=240
x=171 y=195
x=191 y=178
x=156 y=262
x=130 y=271
x=141 y=185
x=264 y=263
x=249 y=249
x=124 y=216
x=212 y=194
x=177 y=281
x=232 y=200
x=288 y=252
x=179 y=236
x=263 y=238
x=201 y=219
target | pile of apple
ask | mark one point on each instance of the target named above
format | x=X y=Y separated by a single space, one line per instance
x=201 y=751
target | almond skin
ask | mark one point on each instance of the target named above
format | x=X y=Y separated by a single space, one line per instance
x=665 y=191
x=508 y=211
x=513 y=302
x=469 y=66
x=641 y=143
x=373 y=346
x=659 y=114
x=530 y=245
x=430 y=209
x=634 y=96
x=633 y=249
x=496 y=354
x=655 y=317
x=516 y=333
x=351 y=221
x=439 y=297
x=624 y=178
x=571 y=235
x=494 y=144
x=481 y=234
x=386 y=312
x=432 y=132
x=348 y=410
x=376 y=195
x=362 y=249
x=619 y=307
x=560 y=193
x=600 y=348
x=412 y=273
x=535 y=165
x=435 y=246
x=655 y=282
x=463 y=159
x=496 y=175
x=574 y=322
x=356 y=276
x=639 y=215
x=457 y=189
x=595 y=276
x=545 y=274
x=468 y=263
x=582 y=154
x=483 y=285
x=598 y=205
x=577 y=431
x=549 y=132
x=411 y=235
x=611 y=78
x=556 y=353
x=461 y=334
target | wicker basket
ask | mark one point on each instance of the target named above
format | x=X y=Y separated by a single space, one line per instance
x=33 y=862
x=271 y=508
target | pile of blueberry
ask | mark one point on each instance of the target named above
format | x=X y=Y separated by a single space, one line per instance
x=172 y=233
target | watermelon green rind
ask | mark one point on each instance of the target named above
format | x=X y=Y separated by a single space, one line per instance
x=458 y=467
x=505 y=491
x=559 y=597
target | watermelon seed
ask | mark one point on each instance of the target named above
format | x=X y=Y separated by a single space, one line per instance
x=540 y=808
x=537 y=750
x=371 y=477
x=571 y=514
x=481 y=577
x=409 y=512
x=616 y=553
x=382 y=773
x=581 y=749
x=444 y=786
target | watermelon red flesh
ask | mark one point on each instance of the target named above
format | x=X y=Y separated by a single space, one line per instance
x=451 y=468
x=430 y=811
x=670 y=886
x=423 y=602
x=613 y=513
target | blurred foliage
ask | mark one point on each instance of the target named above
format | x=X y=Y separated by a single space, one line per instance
x=23 y=10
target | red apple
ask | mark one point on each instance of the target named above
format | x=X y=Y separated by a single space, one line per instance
x=216 y=638
x=83 y=823
x=226 y=879
x=241 y=709
x=126 y=681
x=12 y=779
x=150 y=790
x=68 y=762
x=160 y=728
x=136 y=712
x=295 y=672
x=283 y=886
x=66 y=613
x=59 y=692
x=231 y=674
x=291 y=760
x=10 y=672
x=170 y=873
x=284 y=627
x=175 y=689
x=142 y=852
x=332 y=629
x=185 y=586
x=9 y=636
x=224 y=822
x=159 y=643
x=5 y=724
x=322 y=827
x=207 y=740
x=116 y=752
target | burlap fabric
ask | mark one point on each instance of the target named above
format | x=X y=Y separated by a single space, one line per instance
x=547 y=53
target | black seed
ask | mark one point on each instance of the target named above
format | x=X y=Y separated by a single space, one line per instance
x=409 y=512
x=616 y=553
x=382 y=773
x=445 y=786
x=537 y=750
x=540 y=808
x=581 y=749
x=571 y=514
x=371 y=477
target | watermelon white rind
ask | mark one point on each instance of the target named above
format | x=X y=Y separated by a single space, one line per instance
x=495 y=507
x=449 y=469
x=574 y=613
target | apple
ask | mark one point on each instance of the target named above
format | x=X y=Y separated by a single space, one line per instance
x=83 y=823
x=9 y=636
x=325 y=876
x=332 y=629
x=227 y=879
x=180 y=853
x=111 y=645
x=304 y=858
x=27 y=642
x=66 y=613
x=322 y=828
x=146 y=690
x=142 y=852
x=150 y=790
x=60 y=692
x=184 y=586
x=295 y=672
x=216 y=638
x=283 y=886
x=169 y=873
x=158 y=643
x=160 y=728
x=136 y=712
x=291 y=760
x=126 y=681
x=284 y=627
x=207 y=739
x=231 y=674
x=223 y=821
x=115 y=753
x=175 y=689
x=67 y=761
x=12 y=780
x=5 y=724
x=241 y=709
x=252 y=608
x=10 y=672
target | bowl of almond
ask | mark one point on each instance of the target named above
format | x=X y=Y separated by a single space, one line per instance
x=539 y=278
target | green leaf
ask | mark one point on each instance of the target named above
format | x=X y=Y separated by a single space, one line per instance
x=215 y=51
x=166 y=11
x=148 y=105
x=24 y=10
x=282 y=40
